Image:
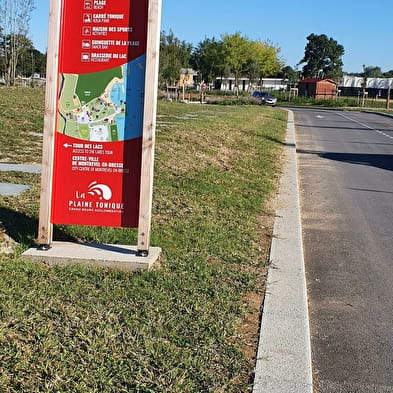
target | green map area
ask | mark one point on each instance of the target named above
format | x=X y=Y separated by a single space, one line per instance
x=92 y=106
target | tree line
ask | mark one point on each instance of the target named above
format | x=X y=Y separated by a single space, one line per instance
x=373 y=72
x=18 y=57
x=232 y=54
x=213 y=58
x=239 y=56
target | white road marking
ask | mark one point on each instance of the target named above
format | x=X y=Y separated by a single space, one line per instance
x=367 y=126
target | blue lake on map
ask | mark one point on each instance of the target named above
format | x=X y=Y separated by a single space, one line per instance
x=131 y=91
x=120 y=121
x=118 y=97
x=118 y=94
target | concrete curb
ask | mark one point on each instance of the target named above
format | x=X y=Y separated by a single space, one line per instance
x=284 y=352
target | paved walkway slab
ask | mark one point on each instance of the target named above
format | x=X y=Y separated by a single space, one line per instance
x=10 y=189
x=20 y=168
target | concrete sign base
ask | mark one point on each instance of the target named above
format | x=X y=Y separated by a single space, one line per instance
x=110 y=256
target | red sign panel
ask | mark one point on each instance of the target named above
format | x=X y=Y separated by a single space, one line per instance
x=98 y=139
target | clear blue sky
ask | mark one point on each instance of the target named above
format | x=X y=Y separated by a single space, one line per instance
x=364 y=28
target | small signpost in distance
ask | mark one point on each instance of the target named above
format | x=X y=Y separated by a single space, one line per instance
x=99 y=127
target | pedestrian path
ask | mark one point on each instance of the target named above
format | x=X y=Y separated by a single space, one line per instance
x=20 y=168
x=11 y=189
x=284 y=353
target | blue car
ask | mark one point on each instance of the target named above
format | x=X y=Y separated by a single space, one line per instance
x=264 y=98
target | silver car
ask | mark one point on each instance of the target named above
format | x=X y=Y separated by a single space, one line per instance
x=264 y=98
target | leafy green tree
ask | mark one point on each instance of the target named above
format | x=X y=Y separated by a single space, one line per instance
x=372 y=72
x=388 y=74
x=207 y=58
x=263 y=60
x=289 y=73
x=39 y=61
x=174 y=55
x=322 y=57
x=14 y=26
x=32 y=61
x=237 y=52
x=14 y=54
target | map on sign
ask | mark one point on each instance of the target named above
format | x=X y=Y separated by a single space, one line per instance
x=94 y=106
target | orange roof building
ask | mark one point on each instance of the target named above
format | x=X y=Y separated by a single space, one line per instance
x=318 y=88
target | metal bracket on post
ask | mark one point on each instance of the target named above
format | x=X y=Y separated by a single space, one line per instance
x=44 y=247
x=142 y=253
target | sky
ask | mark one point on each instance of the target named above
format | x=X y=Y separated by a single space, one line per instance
x=363 y=28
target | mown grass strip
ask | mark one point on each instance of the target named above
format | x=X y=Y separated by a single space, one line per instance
x=174 y=329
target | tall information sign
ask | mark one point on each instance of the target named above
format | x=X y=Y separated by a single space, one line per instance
x=100 y=115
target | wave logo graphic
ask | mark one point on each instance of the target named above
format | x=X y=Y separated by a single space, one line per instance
x=100 y=190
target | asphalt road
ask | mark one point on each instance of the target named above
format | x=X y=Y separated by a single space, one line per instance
x=346 y=185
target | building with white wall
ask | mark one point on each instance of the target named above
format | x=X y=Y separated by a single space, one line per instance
x=376 y=87
x=228 y=84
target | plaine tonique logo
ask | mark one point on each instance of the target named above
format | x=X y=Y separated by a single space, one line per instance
x=101 y=190
x=97 y=198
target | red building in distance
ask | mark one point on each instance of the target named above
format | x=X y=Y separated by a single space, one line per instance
x=318 y=88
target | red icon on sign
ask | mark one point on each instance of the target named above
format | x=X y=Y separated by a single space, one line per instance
x=88 y=5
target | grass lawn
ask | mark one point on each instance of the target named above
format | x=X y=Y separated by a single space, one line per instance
x=188 y=326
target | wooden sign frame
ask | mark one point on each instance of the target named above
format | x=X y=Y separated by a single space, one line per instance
x=45 y=230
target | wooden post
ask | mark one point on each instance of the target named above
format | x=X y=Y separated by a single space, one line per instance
x=388 y=99
x=149 y=127
x=45 y=229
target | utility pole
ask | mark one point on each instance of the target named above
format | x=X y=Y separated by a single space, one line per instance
x=388 y=98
